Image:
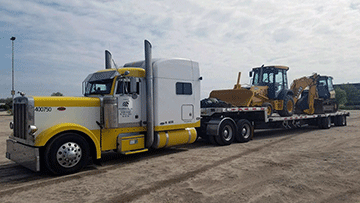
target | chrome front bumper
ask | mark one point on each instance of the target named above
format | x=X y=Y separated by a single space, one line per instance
x=24 y=155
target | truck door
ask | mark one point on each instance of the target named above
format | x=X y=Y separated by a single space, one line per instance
x=129 y=102
x=187 y=112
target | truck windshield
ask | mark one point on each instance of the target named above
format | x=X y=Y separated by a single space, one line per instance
x=98 y=87
x=98 y=83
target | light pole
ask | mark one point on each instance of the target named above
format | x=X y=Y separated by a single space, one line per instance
x=13 y=89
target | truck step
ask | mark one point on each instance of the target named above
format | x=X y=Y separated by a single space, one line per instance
x=135 y=151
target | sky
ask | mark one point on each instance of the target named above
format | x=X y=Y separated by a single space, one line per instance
x=58 y=43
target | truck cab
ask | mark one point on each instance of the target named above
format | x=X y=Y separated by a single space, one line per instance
x=153 y=103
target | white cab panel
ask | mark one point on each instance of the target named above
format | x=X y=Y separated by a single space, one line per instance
x=172 y=107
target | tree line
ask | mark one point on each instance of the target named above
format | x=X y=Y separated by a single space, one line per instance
x=347 y=95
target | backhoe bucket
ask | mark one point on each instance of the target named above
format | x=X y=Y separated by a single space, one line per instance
x=236 y=97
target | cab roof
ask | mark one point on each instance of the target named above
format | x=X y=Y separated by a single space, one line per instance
x=273 y=66
x=133 y=72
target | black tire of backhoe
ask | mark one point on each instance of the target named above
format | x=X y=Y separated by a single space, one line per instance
x=268 y=107
x=285 y=112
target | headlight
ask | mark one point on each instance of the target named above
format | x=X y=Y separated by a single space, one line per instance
x=32 y=129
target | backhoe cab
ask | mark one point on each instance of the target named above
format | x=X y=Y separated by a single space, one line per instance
x=274 y=80
x=314 y=94
x=269 y=89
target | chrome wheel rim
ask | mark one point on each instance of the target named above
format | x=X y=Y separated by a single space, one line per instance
x=69 y=154
x=227 y=133
x=245 y=131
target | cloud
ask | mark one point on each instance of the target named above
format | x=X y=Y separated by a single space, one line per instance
x=60 y=42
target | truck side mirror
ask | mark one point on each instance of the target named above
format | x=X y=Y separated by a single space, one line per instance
x=250 y=74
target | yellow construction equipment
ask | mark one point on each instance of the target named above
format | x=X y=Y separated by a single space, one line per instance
x=314 y=94
x=269 y=89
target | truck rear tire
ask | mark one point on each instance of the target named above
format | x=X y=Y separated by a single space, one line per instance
x=227 y=133
x=245 y=131
x=288 y=107
x=67 y=153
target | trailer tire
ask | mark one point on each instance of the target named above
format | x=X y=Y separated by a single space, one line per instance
x=288 y=107
x=67 y=153
x=337 y=120
x=341 y=120
x=245 y=131
x=227 y=133
x=325 y=122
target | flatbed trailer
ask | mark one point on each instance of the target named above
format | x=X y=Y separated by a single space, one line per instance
x=222 y=126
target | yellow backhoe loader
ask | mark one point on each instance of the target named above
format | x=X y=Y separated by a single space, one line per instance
x=314 y=94
x=269 y=88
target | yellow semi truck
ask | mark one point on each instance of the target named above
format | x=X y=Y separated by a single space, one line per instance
x=142 y=105
x=148 y=104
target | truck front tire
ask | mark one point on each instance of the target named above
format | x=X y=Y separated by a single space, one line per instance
x=67 y=153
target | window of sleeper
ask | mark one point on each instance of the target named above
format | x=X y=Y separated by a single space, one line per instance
x=183 y=88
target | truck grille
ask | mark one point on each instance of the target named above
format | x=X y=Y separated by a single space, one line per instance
x=20 y=121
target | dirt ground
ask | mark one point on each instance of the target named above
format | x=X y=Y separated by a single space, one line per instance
x=301 y=165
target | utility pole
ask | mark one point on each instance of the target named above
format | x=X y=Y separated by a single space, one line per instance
x=13 y=81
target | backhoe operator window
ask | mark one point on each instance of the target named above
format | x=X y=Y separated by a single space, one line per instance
x=268 y=77
x=330 y=84
x=322 y=82
x=279 y=80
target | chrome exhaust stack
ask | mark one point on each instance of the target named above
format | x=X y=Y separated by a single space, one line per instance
x=107 y=59
x=149 y=95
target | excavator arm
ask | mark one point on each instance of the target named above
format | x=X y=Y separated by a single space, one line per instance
x=311 y=100
x=299 y=85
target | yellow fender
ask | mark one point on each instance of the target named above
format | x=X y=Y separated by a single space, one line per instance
x=47 y=134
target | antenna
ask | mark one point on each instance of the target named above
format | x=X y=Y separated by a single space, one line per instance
x=114 y=63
